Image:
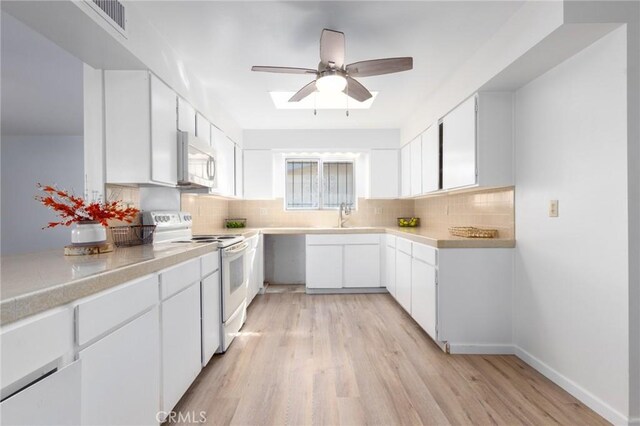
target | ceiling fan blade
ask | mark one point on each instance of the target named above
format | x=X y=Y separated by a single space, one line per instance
x=379 y=66
x=284 y=70
x=356 y=90
x=304 y=92
x=332 y=48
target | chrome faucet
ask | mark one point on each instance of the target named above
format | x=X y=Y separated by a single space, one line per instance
x=345 y=210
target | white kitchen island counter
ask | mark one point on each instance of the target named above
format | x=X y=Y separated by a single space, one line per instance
x=34 y=282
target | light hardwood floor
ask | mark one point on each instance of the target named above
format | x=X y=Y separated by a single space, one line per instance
x=360 y=359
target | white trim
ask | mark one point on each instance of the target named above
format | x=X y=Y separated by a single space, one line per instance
x=586 y=397
x=481 y=349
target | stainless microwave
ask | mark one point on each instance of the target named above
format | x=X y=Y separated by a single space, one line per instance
x=196 y=162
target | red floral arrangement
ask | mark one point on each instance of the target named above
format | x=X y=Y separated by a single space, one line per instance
x=73 y=209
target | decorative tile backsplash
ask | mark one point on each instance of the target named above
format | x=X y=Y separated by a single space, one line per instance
x=263 y=213
x=486 y=208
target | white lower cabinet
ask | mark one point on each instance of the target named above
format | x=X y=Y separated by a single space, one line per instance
x=256 y=266
x=118 y=332
x=181 y=346
x=424 y=296
x=211 y=317
x=403 y=279
x=343 y=261
x=54 y=400
x=390 y=260
x=120 y=380
x=324 y=266
x=359 y=265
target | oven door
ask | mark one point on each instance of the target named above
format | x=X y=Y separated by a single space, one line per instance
x=234 y=278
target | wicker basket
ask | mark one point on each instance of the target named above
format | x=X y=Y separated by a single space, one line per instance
x=471 y=232
x=135 y=235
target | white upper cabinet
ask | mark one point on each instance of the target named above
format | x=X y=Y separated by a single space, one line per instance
x=140 y=129
x=431 y=159
x=258 y=174
x=405 y=160
x=384 y=173
x=203 y=128
x=164 y=148
x=239 y=187
x=416 y=165
x=186 y=117
x=459 y=146
x=477 y=142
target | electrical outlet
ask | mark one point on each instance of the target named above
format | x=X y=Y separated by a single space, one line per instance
x=263 y=211
x=553 y=208
x=377 y=210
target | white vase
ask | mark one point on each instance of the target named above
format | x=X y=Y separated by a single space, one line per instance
x=88 y=233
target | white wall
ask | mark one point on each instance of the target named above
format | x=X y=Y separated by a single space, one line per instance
x=571 y=302
x=321 y=139
x=527 y=27
x=26 y=161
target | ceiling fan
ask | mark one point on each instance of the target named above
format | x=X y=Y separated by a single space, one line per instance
x=333 y=75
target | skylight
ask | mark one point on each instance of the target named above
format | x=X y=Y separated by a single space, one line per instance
x=320 y=100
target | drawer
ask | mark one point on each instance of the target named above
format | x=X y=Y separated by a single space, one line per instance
x=391 y=240
x=403 y=245
x=342 y=239
x=34 y=342
x=178 y=277
x=111 y=308
x=425 y=253
x=210 y=263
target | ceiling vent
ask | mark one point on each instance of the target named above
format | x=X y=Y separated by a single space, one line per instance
x=112 y=11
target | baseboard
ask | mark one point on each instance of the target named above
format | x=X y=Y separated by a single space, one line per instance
x=480 y=349
x=586 y=397
x=363 y=290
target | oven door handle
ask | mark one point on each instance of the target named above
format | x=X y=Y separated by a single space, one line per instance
x=235 y=250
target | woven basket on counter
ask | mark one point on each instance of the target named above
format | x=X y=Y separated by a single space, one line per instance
x=471 y=232
x=134 y=235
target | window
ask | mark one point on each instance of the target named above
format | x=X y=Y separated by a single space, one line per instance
x=313 y=184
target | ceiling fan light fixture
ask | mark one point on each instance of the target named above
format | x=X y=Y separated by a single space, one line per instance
x=331 y=83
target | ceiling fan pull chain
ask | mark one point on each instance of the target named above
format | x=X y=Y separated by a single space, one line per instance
x=315 y=103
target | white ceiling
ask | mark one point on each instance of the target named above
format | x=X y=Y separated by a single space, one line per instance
x=220 y=41
x=41 y=84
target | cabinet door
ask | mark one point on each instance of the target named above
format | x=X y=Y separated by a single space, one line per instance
x=226 y=166
x=186 y=117
x=459 y=146
x=416 y=166
x=324 y=266
x=54 y=400
x=180 y=344
x=203 y=128
x=238 y=171
x=405 y=169
x=423 y=296
x=391 y=270
x=120 y=375
x=361 y=266
x=253 y=273
x=431 y=159
x=210 y=316
x=258 y=174
x=164 y=136
x=384 y=173
x=403 y=280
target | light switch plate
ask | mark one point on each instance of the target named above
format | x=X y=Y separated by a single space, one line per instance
x=553 y=208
